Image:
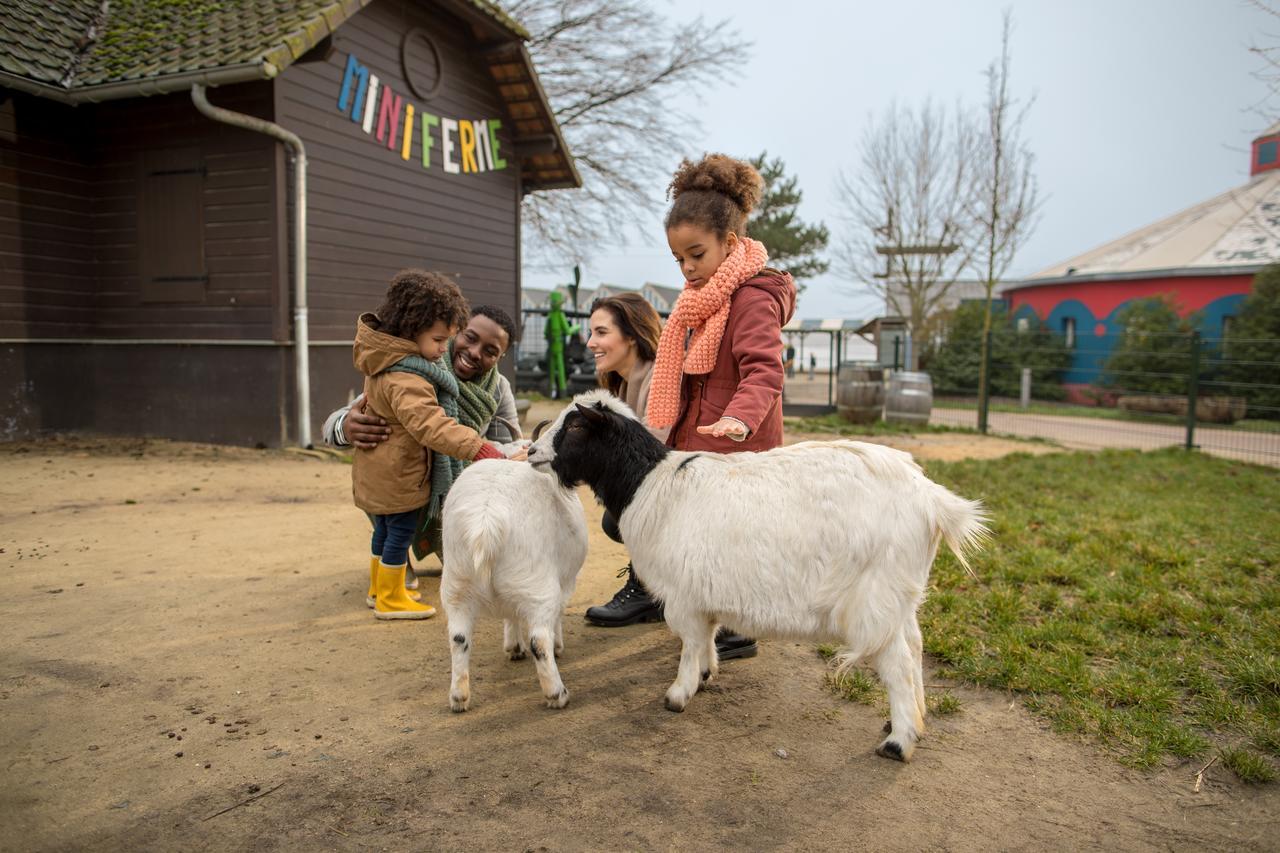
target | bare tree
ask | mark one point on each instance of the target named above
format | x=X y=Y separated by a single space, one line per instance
x=1266 y=47
x=906 y=210
x=1006 y=200
x=612 y=70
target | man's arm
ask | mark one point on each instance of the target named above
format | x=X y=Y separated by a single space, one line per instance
x=498 y=431
x=351 y=425
x=332 y=432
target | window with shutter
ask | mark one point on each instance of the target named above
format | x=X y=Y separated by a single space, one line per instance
x=171 y=225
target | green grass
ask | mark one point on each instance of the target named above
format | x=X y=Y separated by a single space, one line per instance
x=856 y=685
x=837 y=425
x=1104 y=412
x=1257 y=425
x=1133 y=598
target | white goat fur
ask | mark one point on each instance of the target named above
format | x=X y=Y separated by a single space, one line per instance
x=514 y=541
x=823 y=541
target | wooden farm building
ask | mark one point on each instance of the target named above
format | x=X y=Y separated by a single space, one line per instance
x=148 y=278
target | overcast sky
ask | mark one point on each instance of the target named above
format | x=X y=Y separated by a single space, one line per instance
x=1143 y=107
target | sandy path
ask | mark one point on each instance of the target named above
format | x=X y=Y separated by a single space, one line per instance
x=216 y=594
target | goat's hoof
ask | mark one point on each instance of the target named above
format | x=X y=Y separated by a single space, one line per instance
x=676 y=704
x=560 y=699
x=888 y=726
x=516 y=654
x=458 y=704
x=892 y=749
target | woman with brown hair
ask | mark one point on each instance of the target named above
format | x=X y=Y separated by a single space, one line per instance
x=624 y=341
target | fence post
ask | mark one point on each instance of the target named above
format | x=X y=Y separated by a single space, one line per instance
x=897 y=342
x=1024 y=390
x=984 y=388
x=1193 y=389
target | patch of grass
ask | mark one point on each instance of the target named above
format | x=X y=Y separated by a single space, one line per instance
x=1257 y=425
x=1248 y=766
x=836 y=425
x=827 y=650
x=1131 y=597
x=942 y=704
x=856 y=686
x=1111 y=413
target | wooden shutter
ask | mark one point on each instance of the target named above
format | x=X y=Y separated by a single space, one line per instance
x=171 y=226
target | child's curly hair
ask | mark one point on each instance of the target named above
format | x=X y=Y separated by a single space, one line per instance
x=416 y=299
x=716 y=193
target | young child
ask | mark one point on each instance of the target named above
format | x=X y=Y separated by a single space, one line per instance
x=398 y=348
x=717 y=380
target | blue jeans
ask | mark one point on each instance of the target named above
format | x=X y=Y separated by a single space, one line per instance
x=392 y=536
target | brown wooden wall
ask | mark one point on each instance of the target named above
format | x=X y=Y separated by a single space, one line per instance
x=75 y=218
x=46 y=221
x=372 y=213
x=70 y=256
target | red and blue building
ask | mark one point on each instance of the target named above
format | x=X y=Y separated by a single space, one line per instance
x=1203 y=258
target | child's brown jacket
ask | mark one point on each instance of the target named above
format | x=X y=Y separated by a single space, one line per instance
x=395 y=476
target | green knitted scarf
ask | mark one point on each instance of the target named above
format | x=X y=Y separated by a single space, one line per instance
x=444 y=469
x=472 y=404
x=477 y=402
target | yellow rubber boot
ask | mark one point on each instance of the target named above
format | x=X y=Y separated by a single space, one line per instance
x=371 y=597
x=393 y=599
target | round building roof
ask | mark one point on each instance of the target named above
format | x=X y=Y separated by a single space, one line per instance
x=1234 y=233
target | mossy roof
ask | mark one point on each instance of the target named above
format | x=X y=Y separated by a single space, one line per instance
x=73 y=44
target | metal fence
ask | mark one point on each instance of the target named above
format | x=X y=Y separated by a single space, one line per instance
x=1125 y=389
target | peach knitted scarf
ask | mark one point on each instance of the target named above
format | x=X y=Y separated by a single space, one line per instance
x=705 y=311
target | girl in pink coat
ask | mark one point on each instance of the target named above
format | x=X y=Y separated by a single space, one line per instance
x=717 y=379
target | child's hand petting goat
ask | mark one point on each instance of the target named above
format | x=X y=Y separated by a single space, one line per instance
x=823 y=541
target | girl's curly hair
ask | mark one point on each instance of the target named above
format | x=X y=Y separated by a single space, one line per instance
x=416 y=299
x=716 y=193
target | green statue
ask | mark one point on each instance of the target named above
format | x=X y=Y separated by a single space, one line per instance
x=557 y=329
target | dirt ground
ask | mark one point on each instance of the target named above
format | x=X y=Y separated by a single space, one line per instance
x=186 y=662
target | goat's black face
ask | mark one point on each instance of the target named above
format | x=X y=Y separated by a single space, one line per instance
x=594 y=443
x=577 y=445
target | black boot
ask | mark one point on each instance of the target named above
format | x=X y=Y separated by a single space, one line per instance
x=731 y=645
x=629 y=605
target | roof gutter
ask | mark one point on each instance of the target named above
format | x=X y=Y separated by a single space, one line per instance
x=180 y=82
x=302 y=367
x=1135 y=275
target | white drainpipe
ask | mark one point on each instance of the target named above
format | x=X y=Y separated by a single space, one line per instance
x=299 y=154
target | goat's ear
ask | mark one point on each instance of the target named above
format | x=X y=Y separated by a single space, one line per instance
x=591 y=413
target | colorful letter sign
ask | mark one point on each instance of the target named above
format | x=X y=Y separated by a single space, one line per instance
x=466 y=145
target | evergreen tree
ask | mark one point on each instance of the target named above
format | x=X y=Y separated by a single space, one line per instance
x=1152 y=355
x=954 y=364
x=793 y=245
x=1251 y=352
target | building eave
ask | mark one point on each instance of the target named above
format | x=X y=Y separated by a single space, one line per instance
x=1141 y=275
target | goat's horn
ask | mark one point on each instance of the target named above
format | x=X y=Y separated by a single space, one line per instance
x=537 y=431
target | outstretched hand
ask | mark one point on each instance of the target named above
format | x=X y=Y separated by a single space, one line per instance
x=724 y=427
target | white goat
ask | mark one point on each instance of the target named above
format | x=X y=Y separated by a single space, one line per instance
x=826 y=541
x=514 y=541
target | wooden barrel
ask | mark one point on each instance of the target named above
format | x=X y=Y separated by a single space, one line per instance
x=909 y=399
x=860 y=391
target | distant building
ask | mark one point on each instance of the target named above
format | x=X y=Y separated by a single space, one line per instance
x=1204 y=257
x=661 y=297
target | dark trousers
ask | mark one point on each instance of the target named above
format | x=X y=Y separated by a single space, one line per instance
x=392 y=536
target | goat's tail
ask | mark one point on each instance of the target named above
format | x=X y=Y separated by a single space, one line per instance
x=961 y=523
x=479 y=540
